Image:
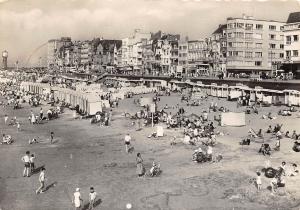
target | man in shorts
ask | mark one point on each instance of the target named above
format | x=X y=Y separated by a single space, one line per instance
x=26 y=160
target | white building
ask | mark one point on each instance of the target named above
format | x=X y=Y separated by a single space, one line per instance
x=132 y=49
x=292 y=44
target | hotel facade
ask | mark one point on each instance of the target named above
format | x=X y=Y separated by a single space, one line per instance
x=254 y=46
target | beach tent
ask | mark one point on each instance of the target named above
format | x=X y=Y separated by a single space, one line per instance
x=233 y=119
x=146 y=101
x=160 y=131
x=94 y=104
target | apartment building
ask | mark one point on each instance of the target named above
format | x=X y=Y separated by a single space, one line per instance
x=183 y=56
x=217 y=47
x=132 y=49
x=254 y=46
x=198 y=58
x=291 y=32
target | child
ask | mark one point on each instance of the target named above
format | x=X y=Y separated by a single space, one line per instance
x=92 y=197
x=51 y=137
x=42 y=182
x=18 y=126
x=32 y=166
x=258 y=181
x=274 y=185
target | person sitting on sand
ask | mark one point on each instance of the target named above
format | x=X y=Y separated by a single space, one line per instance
x=269 y=129
x=33 y=141
x=277 y=145
x=294 y=135
x=287 y=134
x=259 y=134
x=265 y=149
x=6 y=139
x=294 y=171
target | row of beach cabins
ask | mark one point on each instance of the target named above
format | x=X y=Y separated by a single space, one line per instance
x=268 y=96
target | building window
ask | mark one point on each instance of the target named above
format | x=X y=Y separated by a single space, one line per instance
x=272 y=46
x=272 y=36
x=272 y=27
x=295 y=53
x=258 y=54
x=248 y=35
x=281 y=37
x=281 y=55
x=248 y=44
x=258 y=45
x=257 y=63
x=248 y=54
x=296 y=38
x=259 y=27
x=288 y=40
x=281 y=28
x=271 y=55
x=288 y=54
x=249 y=26
x=281 y=46
x=249 y=63
x=257 y=36
x=229 y=44
x=239 y=34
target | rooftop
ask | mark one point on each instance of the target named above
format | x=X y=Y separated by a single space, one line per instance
x=294 y=17
x=220 y=29
x=253 y=19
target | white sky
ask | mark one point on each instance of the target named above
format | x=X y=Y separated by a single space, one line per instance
x=27 y=24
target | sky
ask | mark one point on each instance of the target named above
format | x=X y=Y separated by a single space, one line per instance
x=25 y=25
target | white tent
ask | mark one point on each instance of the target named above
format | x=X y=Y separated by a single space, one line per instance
x=233 y=119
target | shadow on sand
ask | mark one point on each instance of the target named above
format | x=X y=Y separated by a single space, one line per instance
x=37 y=170
x=97 y=203
x=49 y=186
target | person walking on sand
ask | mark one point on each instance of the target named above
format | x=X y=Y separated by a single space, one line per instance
x=140 y=169
x=41 y=114
x=92 y=197
x=32 y=166
x=18 y=127
x=51 y=137
x=127 y=140
x=5 y=119
x=77 y=200
x=42 y=180
x=26 y=161
x=258 y=181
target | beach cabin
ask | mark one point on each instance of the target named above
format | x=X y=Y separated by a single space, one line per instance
x=198 y=87
x=267 y=96
x=277 y=97
x=207 y=89
x=213 y=89
x=234 y=92
x=91 y=105
x=258 y=93
x=222 y=91
x=292 y=97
